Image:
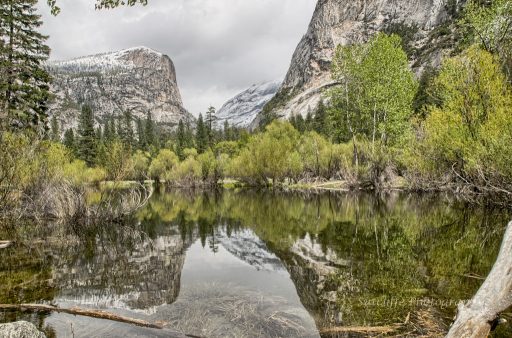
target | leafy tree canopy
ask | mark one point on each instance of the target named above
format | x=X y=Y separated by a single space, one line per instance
x=100 y=4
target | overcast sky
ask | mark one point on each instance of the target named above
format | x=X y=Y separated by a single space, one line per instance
x=219 y=47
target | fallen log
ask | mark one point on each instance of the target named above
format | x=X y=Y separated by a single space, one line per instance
x=475 y=319
x=81 y=312
x=5 y=244
x=362 y=329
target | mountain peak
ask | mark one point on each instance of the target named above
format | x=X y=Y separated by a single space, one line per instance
x=137 y=79
x=113 y=59
x=143 y=48
x=241 y=110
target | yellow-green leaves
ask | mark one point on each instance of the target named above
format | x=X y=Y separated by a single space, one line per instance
x=470 y=130
x=376 y=89
x=162 y=165
x=270 y=155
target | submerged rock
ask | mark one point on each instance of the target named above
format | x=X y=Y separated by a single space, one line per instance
x=20 y=329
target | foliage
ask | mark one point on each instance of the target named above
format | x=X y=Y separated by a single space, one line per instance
x=140 y=162
x=490 y=25
x=210 y=126
x=117 y=164
x=375 y=92
x=69 y=140
x=407 y=34
x=272 y=155
x=17 y=167
x=211 y=168
x=55 y=130
x=162 y=165
x=319 y=123
x=87 y=147
x=100 y=4
x=467 y=132
x=201 y=135
x=188 y=173
x=126 y=130
x=316 y=155
x=150 y=132
x=268 y=114
x=180 y=142
x=230 y=148
x=24 y=82
x=79 y=174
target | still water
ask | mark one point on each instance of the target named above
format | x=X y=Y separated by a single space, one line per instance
x=259 y=264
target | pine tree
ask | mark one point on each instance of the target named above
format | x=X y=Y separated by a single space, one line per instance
x=108 y=132
x=308 y=123
x=87 y=136
x=228 y=132
x=141 y=134
x=119 y=128
x=69 y=139
x=293 y=121
x=127 y=126
x=55 y=132
x=210 y=126
x=189 y=136
x=24 y=83
x=150 y=131
x=201 y=135
x=180 y=140
x=300 y=123
x=99 y=135
x=320 y=119
x=112 y=129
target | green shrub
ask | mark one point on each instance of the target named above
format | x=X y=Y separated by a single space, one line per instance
x=78 y=173
x=140 y=162
x=162 y=165
x=188 y=172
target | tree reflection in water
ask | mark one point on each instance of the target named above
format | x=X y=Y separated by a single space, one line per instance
x=354 y=259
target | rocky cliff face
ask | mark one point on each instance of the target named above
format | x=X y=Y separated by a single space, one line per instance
x=241 y=110
x=139 y=80
x=345 y=22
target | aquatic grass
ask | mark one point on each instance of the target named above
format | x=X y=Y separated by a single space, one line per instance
x=214 y=309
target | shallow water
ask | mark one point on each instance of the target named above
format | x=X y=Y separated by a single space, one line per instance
x=258 y=264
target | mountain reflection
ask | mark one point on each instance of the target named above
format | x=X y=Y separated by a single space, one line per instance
x=267 y=264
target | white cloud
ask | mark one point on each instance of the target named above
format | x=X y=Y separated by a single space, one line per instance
x=219 y=47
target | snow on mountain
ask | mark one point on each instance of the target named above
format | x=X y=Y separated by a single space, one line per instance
x=139 y=80
x=241 y=110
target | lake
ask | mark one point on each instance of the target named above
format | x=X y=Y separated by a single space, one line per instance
x=253 y=263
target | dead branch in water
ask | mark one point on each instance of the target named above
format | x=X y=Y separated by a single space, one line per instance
x=362 y=329
x=475 y=318
x=81 y=312
x=95 y=314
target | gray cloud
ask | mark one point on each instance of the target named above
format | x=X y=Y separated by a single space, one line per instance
x=219 y=47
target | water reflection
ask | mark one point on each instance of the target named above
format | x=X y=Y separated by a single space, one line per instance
x=268 y=264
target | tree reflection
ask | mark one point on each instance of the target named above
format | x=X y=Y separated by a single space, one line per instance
x=355 y=259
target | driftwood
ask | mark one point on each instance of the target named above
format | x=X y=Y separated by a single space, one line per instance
x=5 y=244
x=475 y=318
x=96 y=314
x=362 y=329
x=81 y=312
